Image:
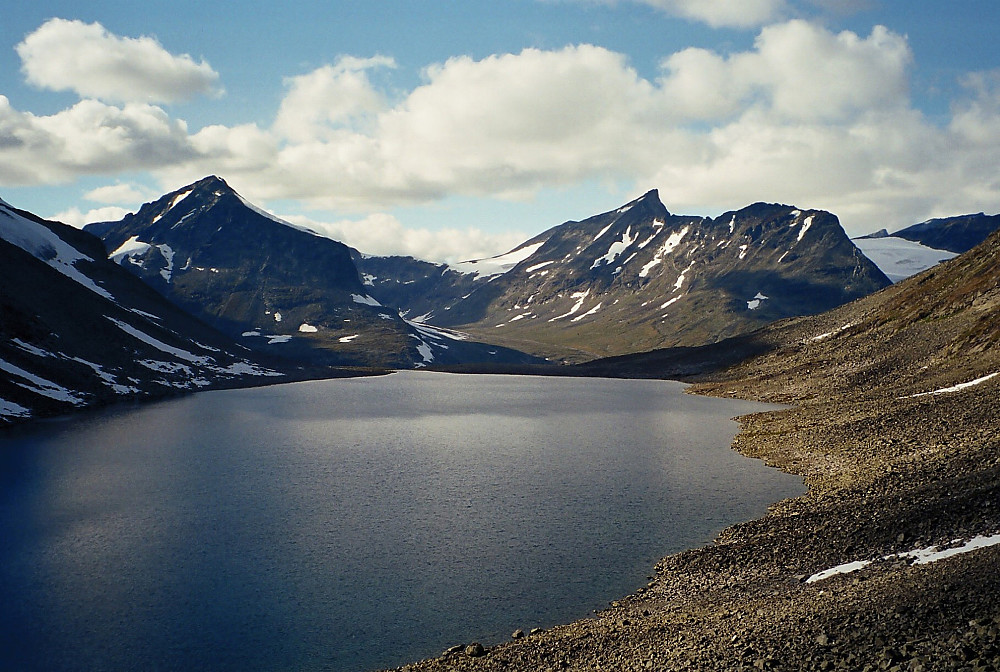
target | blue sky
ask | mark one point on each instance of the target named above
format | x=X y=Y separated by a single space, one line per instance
x=457 y=130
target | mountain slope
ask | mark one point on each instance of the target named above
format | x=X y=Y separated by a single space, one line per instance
x=278 y=288
x=639 y=277
x=955 y=234
x=77 y=331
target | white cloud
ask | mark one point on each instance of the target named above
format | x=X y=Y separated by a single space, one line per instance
x=329 y=97
x=384 y=235
x=806 y=116
x=75 y=217
x=798 y=71
x=119 y=194
x=718 y=13
x=74 y=56
x=87 y=139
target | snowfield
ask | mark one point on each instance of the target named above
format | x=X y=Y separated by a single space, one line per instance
x=900 y=258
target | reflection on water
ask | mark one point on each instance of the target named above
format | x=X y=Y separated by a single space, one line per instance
x=353 y=524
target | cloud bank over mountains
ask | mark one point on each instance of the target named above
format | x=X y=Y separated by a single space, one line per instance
x=806 y=116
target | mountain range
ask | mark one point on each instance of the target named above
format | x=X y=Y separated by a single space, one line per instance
x=200 y=289
x=638 y=278
x=272 y=286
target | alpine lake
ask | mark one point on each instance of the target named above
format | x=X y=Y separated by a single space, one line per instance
x=353 y=524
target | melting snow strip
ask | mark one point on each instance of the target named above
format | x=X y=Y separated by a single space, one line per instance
x=919 y=556
x=954 y=388
x=8 y=409
x=159 y=345
x=39 y=385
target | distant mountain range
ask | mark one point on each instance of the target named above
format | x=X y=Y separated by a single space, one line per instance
x=274 y=287
x=76 y=330
x=638 y=278
x=927 y=332
x=202 y=289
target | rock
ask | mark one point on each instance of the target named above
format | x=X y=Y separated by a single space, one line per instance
x=475 y=650
x=536 y=631
x=517 y=634
x=452 y=650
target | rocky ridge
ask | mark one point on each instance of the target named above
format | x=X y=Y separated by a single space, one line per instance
x=639 y=277
x=274 y=287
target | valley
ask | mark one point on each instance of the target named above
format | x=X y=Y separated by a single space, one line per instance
x=891 y=378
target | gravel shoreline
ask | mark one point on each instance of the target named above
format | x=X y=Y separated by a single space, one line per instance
x=883 y=478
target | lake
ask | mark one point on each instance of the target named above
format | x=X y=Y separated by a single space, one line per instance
x=353 y=524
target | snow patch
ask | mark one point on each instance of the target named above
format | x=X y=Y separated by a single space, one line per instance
x=307 y=328
x=805 y=227
x=277 y=316
x=177 y=199
x=8 y=409
x=680 y=278
x=955 y=388
x=277 y=339
x=671 y=302
x=899 y=258
x=754 y=303
x=587 y=314
x=168 y=255
x=616 y=249
x=581 y=296
x=159 y=345
x=673 y=240
x=832 y=333
x=41 y=386
x=365 y=300
x=29 y=348
x=348 y=339
x=532 y=269
x=38 y=241
x=498 y=265
x=919 y=556
x=130 y=249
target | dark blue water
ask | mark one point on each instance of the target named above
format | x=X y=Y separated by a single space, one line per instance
x=353 y=524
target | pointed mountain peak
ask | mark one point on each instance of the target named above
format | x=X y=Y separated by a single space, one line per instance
x=649 y=202
x=651 y=199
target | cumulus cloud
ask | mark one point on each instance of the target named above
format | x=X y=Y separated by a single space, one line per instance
x=797 y=70
x=79 y=219
x=718 y=13
x=384 y=235
x=83 y=57
x=329 y=97
x=87 y=139
x=119 y=194
x=805 y=116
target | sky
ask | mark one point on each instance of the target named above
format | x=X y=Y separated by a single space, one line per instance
x=457 y=130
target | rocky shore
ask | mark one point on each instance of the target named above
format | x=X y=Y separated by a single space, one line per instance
x=899 y=452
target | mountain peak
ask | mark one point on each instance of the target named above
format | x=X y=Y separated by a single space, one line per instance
x=651 y=198
x=213 y=181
